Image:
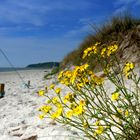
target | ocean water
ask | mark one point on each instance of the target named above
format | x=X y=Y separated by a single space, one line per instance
x=14 y=69
x=3 y=69
x=10 y=69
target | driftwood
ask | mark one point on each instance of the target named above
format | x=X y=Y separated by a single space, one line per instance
x=2 y=92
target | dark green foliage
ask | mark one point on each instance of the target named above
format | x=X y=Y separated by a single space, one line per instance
x=54 y=71
x=44 y=65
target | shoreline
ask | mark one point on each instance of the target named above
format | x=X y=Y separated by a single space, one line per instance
x=20 y=69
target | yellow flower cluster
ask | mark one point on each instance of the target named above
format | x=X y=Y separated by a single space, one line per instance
x=107 y=51
x=76 y=110
x=55 y=100
x=57 y=113
x=64 y=77
x=55 y=110
x=79 y=77
x=112 y=49
x=128 y=68
x=88 y=106
x=58 y=90
x=45 y=109
x=90 y=50
x=115 y=96
x=69 y=98
x=103 y=52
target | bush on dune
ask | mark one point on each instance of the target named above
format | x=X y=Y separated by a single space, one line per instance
x=89 y=107
x=113 y=31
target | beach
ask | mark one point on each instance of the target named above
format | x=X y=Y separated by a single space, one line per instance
x=19 y=108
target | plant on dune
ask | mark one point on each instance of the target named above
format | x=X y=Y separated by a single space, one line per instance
x=54 y=71
x=100 y=114
x=117 y=28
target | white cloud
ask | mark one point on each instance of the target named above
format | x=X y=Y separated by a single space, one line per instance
x=126 y=2
x=36 y=12
x=13 y=13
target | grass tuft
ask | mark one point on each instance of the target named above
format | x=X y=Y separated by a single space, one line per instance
x=112 y=31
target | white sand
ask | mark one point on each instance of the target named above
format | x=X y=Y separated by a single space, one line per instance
x=18 y=109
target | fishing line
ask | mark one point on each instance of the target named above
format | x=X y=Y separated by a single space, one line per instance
x=12 y=66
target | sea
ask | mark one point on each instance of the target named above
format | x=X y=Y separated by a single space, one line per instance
x=5 y=69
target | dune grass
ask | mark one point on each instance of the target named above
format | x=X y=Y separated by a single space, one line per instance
x=112 y=31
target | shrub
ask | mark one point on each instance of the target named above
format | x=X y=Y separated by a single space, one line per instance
x=54 y=71
x=101 y=114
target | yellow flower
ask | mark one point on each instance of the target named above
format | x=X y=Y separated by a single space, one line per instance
x=115 y=96
x=79 y=85
x=99 y=130
x=41 y=92
x=90 y=50
x=85 y=125
x=85 y=66
x=55 y=100
x=112 y=49
x=45 y=109
x=72 y=106
x=103 y=52
x=87 y=52
x=128 y=68
x=69 y=114
x=59 y=105
x=82 y=103
x=97 y=123
x=68 y=98
x=58 y=90
x=96 y=80
x=126 y=113
x=57 y=113
x=78 y=110
x=60 y=74
x=119 y=111
x=52 y=86
x=85 y=81
x=41 y=116
x=64 y=77
x=73 y=77
x=107 y=69
x=78 y=72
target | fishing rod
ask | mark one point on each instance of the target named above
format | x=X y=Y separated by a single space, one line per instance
x=12 y=66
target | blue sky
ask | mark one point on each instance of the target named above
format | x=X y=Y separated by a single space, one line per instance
x=33 y=31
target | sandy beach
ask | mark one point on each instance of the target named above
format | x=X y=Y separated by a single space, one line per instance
x=19 y=109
